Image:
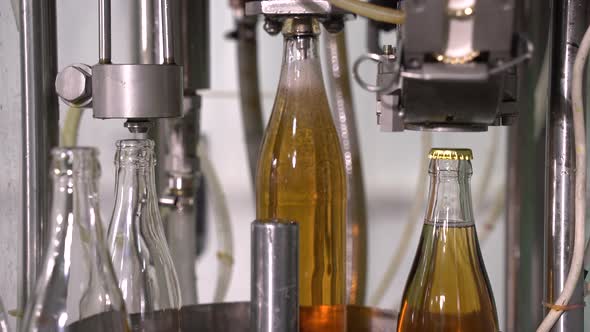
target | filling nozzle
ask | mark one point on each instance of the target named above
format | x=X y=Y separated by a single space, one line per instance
x=138 y=126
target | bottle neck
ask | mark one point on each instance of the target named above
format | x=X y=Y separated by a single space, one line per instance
x=135 y=189
x=301 y=62
x=449 y=198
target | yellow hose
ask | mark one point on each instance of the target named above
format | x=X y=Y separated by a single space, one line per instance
x=69 y=133
x=369 y=10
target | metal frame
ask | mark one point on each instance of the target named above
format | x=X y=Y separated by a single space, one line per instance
x=569 y=25
x=40 y=128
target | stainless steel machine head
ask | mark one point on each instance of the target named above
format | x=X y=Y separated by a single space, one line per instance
x=136 y=92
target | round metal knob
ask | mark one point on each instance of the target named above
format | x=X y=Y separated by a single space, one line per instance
x=74 y=85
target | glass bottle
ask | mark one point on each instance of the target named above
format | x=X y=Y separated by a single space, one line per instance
x=4 y=326
x=448 y=288
x=137 y=243
x=77 y=289
x=301 y=169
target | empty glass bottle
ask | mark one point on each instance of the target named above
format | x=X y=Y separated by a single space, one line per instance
x=4 y=326
x=301 y=169
x=137 y=243
x=77 y=289
x=448 y=289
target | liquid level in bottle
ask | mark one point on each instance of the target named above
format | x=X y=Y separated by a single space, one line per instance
x=301 y=178
x=448 y=289
x=340 y=318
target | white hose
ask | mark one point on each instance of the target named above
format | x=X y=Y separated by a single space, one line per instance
x=410 y=226
x=223 y=227
x=369 y=10
x=580 y=186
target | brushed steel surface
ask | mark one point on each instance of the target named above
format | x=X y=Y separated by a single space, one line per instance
x=137 y=91
x=104 y=31
x=39 y=129
x=275 y=276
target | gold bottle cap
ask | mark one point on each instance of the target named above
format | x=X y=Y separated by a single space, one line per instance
x=450 y=154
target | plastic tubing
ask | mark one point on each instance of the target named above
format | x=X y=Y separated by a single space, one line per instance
x=369 y=10
x=69 y=132
x=223 y=227
x=580 y=186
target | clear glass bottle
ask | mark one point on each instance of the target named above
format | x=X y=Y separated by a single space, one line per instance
x=77 y=289
x=448 y=288
x=137 y=243
x=301 y=169
x=4 y=326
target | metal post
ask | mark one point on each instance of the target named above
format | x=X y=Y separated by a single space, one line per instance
x=104 y=31
x=40 y=123
x=167 y=32
x=275 y=276
x=569 y=24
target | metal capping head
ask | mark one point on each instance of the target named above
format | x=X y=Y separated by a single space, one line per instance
x=301 y=25
x=450 y=154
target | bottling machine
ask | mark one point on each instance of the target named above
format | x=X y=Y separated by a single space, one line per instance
x=457 y=65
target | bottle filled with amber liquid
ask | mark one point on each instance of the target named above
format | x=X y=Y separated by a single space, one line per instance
x=448 y=288
x=301 y=169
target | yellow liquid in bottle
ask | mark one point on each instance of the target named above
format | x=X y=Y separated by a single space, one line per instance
x=301 y=178
x=448 y=289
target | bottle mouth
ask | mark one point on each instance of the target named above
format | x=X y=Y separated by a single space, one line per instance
x=75 y=162
x=135 y=152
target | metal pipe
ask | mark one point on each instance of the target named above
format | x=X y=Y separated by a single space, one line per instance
x=525 y=191
x=104 y=31
x=275 y=276
x=38 y=40
x=249 y=88
x=338 y=85
x=569 y=24
x=167 y=32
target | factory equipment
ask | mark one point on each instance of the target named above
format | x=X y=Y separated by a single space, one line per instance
x=457 y=65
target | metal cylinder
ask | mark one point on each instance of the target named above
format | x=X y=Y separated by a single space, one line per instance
x=104 y=31
x=275 y=276
x=167 y=32
x=39 y=128
x=569 y=24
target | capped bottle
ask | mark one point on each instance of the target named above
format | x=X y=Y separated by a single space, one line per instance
x=448 y=288
x=76 y=289
x=137 y=243
x=300 y=173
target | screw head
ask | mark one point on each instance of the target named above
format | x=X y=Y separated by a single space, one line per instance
x=74 y=85
x=272 y=27
x=334 y=24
